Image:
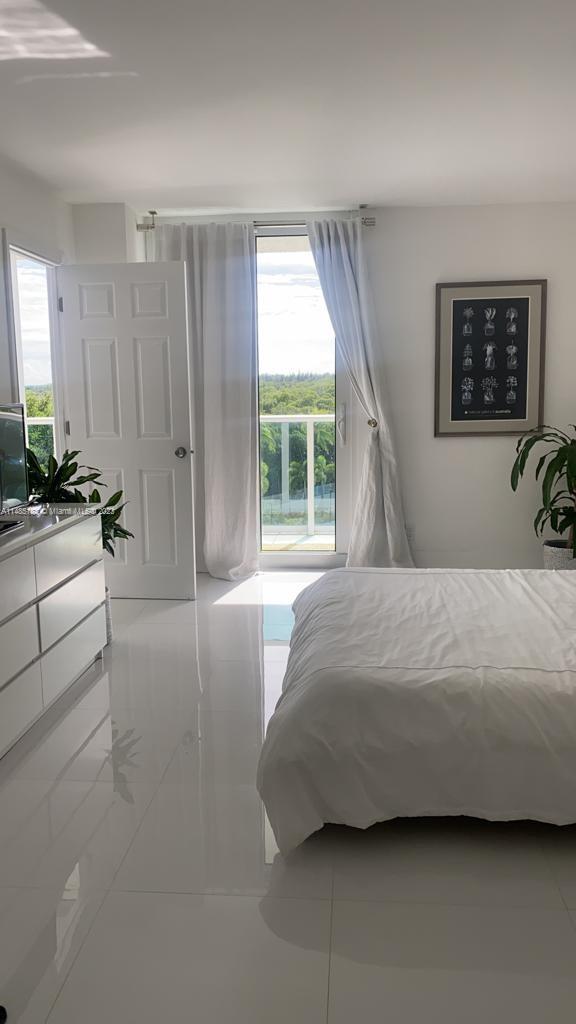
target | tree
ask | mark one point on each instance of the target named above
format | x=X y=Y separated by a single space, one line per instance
x=323 y=470
x=39 y=400
x=297 y=476
x=41 y=441
x=325 y=440
x=296 y=393
x=305 y=393
x=270 y=445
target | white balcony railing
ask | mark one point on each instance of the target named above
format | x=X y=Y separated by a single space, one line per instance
x=40 y=421
x=309 y=421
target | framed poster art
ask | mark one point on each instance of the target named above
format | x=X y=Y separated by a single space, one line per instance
x=490 y=339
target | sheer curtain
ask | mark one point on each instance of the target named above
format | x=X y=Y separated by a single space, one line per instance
x=378 y=534
x=221 y=276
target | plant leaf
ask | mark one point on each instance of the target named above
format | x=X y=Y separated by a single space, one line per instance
x=554 y=469
x=114 y=498
x=541 y=518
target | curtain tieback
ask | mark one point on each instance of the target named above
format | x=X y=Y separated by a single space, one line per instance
x=373 y=423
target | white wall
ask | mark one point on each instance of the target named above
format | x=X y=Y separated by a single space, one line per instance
x=457 y=493
x=104 y=233
x=36 y=217
x=32 y=209
x=134 y=240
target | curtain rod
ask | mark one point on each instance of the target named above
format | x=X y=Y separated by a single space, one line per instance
x=279 y=223
x=367 y=222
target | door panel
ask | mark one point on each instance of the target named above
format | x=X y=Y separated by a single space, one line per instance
x=153 y=387
x=101 y=394
x=125 y=345
x=158 y=504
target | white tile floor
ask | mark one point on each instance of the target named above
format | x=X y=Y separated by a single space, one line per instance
x=139 y=881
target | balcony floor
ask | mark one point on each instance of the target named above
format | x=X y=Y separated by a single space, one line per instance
x=298 y=542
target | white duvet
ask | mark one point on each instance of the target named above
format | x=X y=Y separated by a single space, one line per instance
x=425 y=692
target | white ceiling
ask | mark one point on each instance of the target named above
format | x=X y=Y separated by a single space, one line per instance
x=292 y=104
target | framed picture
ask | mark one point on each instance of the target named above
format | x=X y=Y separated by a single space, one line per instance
x=490 y=339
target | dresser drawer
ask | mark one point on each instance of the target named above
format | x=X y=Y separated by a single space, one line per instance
x=68 y=551
x=19 y=644
x=68 y=659
x=65 y=607
x=20 y=705
x=17 y=582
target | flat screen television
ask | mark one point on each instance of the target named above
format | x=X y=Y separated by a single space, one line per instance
x=13 y=471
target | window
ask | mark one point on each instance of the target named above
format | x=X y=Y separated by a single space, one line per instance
x=30 y=289
x=298 y=384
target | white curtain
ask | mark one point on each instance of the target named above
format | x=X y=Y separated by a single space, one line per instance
x=378 y=534
x=221 y=276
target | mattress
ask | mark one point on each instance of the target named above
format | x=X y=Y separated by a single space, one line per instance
x=414 y=692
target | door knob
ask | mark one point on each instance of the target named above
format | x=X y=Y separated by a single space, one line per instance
x=180 y=452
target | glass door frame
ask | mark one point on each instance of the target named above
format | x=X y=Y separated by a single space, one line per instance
x=14 y=245
x=345 y=431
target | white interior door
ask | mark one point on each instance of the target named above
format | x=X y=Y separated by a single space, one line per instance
x=125 y=354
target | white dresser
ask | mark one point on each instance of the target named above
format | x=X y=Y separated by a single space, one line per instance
x=52 y=615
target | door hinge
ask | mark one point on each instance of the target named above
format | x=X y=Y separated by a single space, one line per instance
x=67 y=427
x=60 y=304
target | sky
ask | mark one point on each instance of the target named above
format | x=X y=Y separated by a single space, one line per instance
x=34 y=322
x=294 y=330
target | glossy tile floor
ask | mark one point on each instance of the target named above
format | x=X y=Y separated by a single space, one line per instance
x=139 y=881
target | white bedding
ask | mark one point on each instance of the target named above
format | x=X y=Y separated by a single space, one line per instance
x=425 y=692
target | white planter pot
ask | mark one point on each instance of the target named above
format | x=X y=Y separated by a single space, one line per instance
x=558 y=556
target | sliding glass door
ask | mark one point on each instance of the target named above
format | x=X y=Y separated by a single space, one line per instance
x=302 y=418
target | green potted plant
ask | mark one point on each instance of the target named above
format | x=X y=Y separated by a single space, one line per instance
x=58 y=483
x=557 y=469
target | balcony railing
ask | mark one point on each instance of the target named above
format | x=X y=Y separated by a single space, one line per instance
x=41 y=436
x=40 y=421
x=298 y=479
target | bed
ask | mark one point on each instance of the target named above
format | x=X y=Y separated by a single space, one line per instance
x=412 y=692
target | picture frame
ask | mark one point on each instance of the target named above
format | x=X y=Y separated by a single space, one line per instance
x=490 y=352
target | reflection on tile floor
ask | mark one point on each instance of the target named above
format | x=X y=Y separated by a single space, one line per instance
x=140 y=881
